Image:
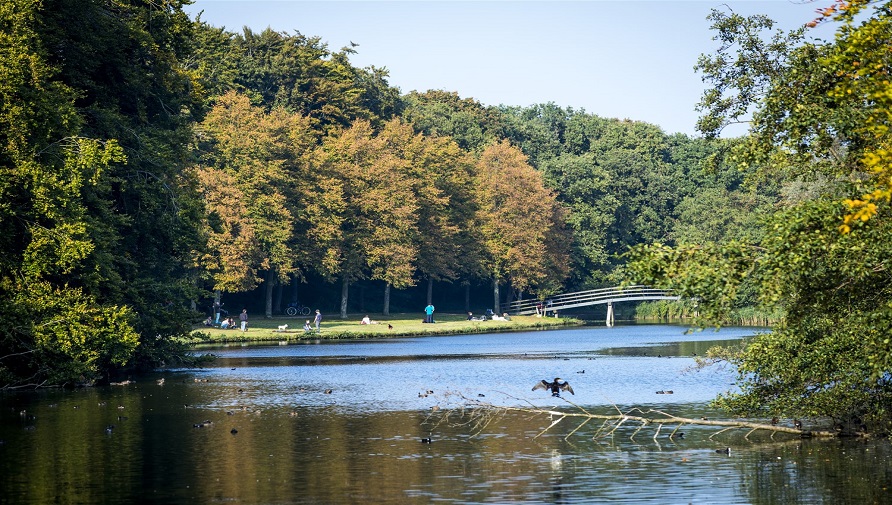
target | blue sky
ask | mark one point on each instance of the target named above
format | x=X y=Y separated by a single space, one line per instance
x=618 y=59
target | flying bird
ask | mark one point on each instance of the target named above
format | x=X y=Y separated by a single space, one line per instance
x=556 y=387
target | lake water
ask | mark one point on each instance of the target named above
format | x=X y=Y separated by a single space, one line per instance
x=343 y=422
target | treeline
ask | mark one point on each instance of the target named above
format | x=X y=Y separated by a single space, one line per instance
x=150 y=160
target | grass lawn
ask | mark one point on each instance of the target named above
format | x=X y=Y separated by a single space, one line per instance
x=260 y=329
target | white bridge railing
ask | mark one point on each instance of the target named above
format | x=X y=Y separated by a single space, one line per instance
x=585 y=298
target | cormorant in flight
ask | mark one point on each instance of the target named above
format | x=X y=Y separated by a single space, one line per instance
x=556 y=387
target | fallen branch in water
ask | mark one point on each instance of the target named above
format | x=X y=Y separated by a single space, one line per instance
x=479 y=414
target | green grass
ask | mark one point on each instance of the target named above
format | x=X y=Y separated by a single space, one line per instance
x=333 y=327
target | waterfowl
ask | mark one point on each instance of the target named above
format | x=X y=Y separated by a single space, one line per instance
x=427 y=440
x=797 y=423
x=726 y=450
x=556 y=387
x=233 y=431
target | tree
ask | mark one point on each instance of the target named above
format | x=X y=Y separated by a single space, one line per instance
x=519 y=219
x=98 y=216
x=376 y=210
x=441 y=175
x=830 y=357
x=253 y=164
x=445 y=114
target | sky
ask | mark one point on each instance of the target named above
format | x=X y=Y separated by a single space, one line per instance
x=625 y=59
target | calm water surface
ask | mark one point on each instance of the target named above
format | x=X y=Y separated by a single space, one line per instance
x=342 y=422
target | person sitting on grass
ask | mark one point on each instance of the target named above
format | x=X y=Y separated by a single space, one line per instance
x=366 y=320
x=224 y=324
x=307 y=327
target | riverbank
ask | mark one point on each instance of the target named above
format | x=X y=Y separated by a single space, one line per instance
x=394 y=325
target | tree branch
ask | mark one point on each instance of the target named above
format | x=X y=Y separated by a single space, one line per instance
x=479 y=414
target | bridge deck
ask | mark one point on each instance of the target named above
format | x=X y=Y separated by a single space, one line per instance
x=587 y=298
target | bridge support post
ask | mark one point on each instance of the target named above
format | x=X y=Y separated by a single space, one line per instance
x=609 y=314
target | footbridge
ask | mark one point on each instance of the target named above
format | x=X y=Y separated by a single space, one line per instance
x=607 y=296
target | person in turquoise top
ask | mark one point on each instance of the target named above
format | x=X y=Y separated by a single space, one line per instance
x=429 y=310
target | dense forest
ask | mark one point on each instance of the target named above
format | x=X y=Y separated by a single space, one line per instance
x=152 y=162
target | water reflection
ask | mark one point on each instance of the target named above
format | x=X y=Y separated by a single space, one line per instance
x=344 y=423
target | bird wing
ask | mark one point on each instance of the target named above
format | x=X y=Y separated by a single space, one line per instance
x=566 y=387
x=543 y=384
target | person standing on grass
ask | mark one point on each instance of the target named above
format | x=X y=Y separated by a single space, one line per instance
x=318 y=319
x=429 y=310
x=243 y=317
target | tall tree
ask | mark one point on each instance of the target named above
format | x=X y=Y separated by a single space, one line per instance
x=830 y=357
x=377 y=218
x=517 y=218
x=95 y=114
x=254 y=162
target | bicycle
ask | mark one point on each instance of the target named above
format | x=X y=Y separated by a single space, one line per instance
x=295 y=308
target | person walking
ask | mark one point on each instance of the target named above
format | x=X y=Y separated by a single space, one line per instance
x=318 y=320
x=243 y=317
x=429 y=310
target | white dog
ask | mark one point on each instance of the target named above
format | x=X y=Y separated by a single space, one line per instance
x=283 y=327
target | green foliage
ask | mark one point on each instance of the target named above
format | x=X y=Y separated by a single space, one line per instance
x=443 y=114
x=295 y=73
x=830 y=356
x=97 y=212
x=61 y=336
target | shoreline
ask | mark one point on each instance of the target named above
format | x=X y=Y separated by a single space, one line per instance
x=403 y=325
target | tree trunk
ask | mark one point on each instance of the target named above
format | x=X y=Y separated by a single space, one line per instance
x=467 y=297
x=387 y=299
x=294 y=292
x=216 y=306
x=345 y=288
x=495 y=294
x=277 y=302
x=270 y=284
x=430 y=291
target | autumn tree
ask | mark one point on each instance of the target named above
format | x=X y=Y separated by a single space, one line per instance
x=375 y=208
x=254 y=165
x=520 y=222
